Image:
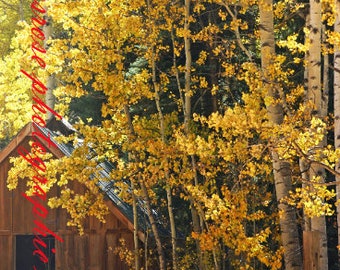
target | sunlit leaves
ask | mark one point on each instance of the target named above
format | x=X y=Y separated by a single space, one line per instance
x=226 y=217
x=15 y=98
x=133 y=54
x=314 y=199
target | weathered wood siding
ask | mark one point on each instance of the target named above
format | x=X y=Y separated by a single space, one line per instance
x=91 y=251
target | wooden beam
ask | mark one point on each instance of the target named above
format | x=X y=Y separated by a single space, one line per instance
x=311 y=250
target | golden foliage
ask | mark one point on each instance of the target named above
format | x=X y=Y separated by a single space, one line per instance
x=133 y=52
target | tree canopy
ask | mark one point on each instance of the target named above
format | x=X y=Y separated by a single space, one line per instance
x=216 y=114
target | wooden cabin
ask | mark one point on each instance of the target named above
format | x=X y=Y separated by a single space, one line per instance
x=91 y=251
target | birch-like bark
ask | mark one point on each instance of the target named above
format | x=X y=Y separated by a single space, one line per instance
x=135 y=227
x=188 y=63
x=304 y=167
x=315 y=97
x=51 y=80
x=337 y=108
x=161 y=256
x=21 y=10
x=282 y=169
x=134 y=199
x=167 y=176
x=160 y=251
x=163 y=138
x=168 y=192
x=187 y=118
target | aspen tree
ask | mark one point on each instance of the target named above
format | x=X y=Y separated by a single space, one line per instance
x=336 y=84
x=153 y=61
x=282 y=169
x=187 y=115
x=134 y=198
x=14 y=117
x=51 y=80
x=152 y=45
x=315 y=98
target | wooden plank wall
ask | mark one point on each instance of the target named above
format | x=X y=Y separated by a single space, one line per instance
x=5 y=200
x=6 y=251
x=311 y=250
x=92 y=251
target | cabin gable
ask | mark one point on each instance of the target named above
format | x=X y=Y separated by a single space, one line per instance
x=92 y=251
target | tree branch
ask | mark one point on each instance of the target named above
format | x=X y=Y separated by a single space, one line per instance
x=322 y=165
x=11 y=6
x=237 y=31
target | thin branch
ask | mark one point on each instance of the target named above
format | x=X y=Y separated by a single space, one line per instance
x=319 y=184
x=11 y=6
x=175 y=68
x=237 y=31
x=310 y=161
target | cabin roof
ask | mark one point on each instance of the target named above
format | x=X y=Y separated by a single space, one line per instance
x=119 y=207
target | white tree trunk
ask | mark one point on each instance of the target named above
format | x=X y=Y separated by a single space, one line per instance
x=282 y=169
x=51 y=80
x=315 y=96
x=337 y=107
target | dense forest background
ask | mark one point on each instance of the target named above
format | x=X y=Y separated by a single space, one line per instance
x=221 y=118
